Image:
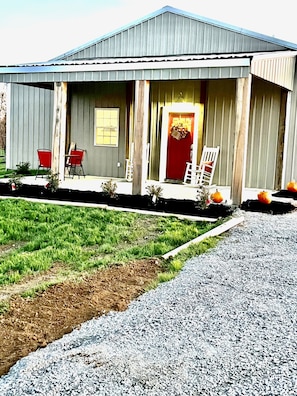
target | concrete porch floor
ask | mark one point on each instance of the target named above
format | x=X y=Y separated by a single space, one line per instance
x=170 y=190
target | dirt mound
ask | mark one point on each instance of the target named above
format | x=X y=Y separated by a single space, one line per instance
x=32 y=323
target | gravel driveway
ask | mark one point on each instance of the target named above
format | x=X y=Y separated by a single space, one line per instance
x=227 y=325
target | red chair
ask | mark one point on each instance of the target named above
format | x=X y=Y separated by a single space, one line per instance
x=74 y=163
x=45 y=160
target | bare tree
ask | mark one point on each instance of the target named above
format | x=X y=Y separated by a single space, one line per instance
x=2 y=117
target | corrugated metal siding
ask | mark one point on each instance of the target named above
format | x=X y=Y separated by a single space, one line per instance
x=220 y=125
x=290 y=165
x=263 y=131
x=278 y=70
x=263 y=135
x=99 y=161
x=31 y=121
x=170 y=34
x=166 y=94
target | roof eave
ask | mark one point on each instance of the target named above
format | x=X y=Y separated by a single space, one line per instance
x=139 y=65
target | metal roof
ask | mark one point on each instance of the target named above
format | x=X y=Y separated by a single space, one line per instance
x=129 y=69
x=112 y=63
x=277 y=67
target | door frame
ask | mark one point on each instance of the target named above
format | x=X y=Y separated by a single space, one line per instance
x=176 y=108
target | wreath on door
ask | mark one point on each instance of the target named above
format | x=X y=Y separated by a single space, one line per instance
x=179 y=132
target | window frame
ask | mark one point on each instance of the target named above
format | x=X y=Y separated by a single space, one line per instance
x=117 y=127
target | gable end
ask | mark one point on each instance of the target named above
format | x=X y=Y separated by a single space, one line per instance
x=174 y=32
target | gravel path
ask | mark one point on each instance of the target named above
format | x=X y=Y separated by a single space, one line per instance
x=227 y=325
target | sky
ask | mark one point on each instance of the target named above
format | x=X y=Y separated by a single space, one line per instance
x=39 y=30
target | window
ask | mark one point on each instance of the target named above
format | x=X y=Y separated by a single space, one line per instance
x=107 y=127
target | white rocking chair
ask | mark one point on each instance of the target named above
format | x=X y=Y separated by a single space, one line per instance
x=129 y=161
x=203 y=173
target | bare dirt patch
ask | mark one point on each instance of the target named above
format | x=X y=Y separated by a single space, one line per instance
x=32 y=323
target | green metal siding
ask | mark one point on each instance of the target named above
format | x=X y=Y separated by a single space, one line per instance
x=263 y=135
x=166 y=93
x=172 y=34
x=31 y=120
x=263 y=131
x=290 y=158
x=99 y=161
x=220 y=126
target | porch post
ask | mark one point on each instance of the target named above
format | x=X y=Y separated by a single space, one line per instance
x=281 y=141
x=140 y=136
x=59 y=129
x=243 y=101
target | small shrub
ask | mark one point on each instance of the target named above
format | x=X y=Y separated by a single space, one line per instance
x=15 y=182
x=155 y=192
x=23 y=168
x=53 y=182
x=202 y=198
x=109 y=188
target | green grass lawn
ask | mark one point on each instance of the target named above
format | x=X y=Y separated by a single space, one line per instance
x=3 y=171
x=35 y=237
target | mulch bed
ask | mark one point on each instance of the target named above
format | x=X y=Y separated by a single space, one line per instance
x=167 y=205
x=275 y=207
x=285 y=194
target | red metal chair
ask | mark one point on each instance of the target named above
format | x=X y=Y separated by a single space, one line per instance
x=74 y=163
x=45 y=160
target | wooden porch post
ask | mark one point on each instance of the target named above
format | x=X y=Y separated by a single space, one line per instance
x=281 y=141
x=243 y=101
x=59 y=129
x=140 y=136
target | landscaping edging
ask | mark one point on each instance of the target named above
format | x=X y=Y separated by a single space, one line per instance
x=211 y=233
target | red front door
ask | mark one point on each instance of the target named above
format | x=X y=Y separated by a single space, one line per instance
x=180 y=140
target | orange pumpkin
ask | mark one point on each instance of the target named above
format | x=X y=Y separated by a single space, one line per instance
x=264 y=197
x=292 y=186
x=216 y=197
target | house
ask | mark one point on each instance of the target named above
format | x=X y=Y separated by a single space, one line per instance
x=229 y=87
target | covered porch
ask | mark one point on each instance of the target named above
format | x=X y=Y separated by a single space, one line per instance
x=244 y=142
x=244 y=115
